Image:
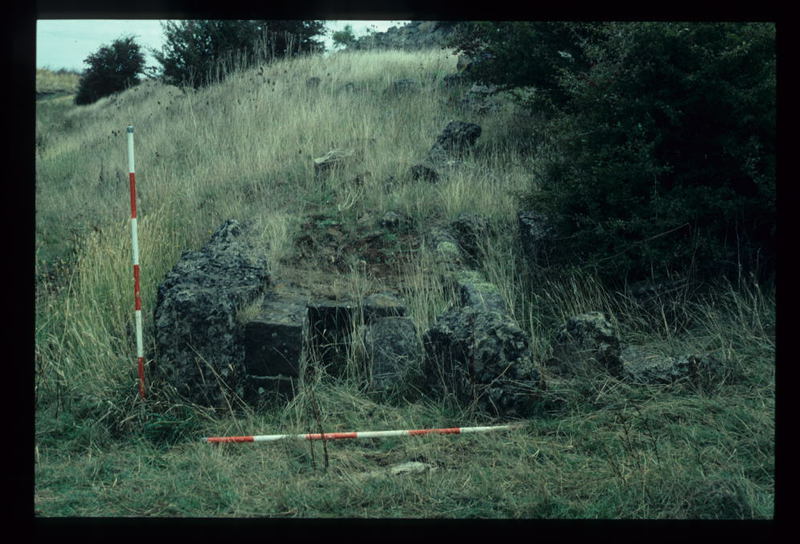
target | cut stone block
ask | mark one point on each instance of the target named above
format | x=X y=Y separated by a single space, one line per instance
x=274 y=340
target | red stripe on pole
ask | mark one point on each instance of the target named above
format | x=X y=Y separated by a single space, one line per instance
x=136 y=292
x=132 y=177
x=141 y=376
x=452 y=430
x=231 y=439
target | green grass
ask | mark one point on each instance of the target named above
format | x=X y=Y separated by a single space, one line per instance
x=598 y=448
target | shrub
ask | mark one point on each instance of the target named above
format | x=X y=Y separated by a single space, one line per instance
x=344 y=37
x=111 y=69
x=667 y=139
x=194 y=52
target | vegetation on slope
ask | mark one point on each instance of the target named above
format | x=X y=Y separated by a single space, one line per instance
x=243 y=148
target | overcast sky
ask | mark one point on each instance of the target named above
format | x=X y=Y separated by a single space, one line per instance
x=66 y=43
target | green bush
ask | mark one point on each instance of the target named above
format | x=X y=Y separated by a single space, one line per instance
x=111 y=69
x=344 y=37
x=666 y=134
x=195 y=52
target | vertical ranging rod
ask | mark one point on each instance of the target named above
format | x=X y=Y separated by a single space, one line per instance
x=135 y=250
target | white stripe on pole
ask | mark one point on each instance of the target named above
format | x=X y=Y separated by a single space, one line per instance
x=135 y=241
x=139 y=342
x=130 y=149
x=359 y=434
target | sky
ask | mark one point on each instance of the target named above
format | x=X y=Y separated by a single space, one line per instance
x=66 y=43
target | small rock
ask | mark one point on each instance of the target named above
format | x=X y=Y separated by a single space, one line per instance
x=644 y=367
x=475 y=291
x=424 y=173
x=336 y=158
x=586 y=342
x=457 y=138
x=412 y=467
x=396 y=222
x=470 y=230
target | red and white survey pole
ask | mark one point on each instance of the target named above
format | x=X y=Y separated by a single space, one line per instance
x=361 y=434
x=135 y=250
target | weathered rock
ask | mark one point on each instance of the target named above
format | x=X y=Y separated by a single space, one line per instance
x=330 y=326
x=645 y=367
x=379 y=305
x=475 y=291
x=481 y=99
x=470 y=230
x=586 y=343
x=273 y=344
x=537 y=236
x=422 y=172
x=481 y=357
x=394 y=354
x=396 y=222
x=457 y=138
x=445 y=246
x=199 y=342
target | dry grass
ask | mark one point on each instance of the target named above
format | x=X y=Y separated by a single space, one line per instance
x=244 y=149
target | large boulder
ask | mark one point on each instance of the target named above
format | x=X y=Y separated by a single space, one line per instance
x=585 y=344
x=200 y=348
x=483 y=359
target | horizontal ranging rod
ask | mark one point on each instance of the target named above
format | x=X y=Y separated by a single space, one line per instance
x=360 y=434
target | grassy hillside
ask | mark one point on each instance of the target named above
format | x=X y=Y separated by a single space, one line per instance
x=51 y=83
x=244 y=149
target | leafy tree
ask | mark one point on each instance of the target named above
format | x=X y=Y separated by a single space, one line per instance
x=515 y=54
x=344 y=37
x=195 y=52
x=111 y=69
x=666 y=133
